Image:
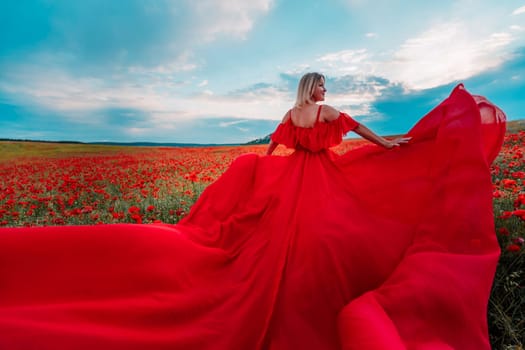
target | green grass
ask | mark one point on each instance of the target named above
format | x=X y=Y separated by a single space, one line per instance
x=10 y=150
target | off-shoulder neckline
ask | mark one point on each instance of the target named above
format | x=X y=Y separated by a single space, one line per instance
x=317 y=120
x=289 y=121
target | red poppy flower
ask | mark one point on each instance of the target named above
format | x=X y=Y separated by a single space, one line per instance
x=513 y=248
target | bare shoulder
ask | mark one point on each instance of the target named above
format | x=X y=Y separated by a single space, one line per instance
x=329 y=113
x=286 y=116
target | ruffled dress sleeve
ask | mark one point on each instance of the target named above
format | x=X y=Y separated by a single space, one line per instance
x=321 y=136
x=346 y=123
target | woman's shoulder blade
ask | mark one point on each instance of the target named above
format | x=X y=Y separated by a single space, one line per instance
x=329 y=113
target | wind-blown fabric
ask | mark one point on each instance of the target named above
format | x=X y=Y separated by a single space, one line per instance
x=372 y=249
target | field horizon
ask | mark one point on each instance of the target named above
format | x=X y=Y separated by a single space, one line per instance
x=513 y=126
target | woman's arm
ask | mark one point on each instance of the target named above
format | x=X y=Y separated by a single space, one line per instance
x=369 y=135
x=271 y=147
x=273 y=144
x=329 y=114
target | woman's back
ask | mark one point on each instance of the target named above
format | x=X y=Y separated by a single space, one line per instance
x=305 y=116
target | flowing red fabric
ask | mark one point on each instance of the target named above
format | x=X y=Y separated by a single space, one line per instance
x=373 y=249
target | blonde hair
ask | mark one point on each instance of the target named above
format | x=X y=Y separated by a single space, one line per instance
x=306 y=88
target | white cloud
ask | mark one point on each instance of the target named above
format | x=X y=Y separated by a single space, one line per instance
x=54 y=89
x=519 y=10
x=445 y=53
x=298 y=69
x=355 y=102
x=83 y=100
x=77 y=99
x=344 y=62
x=371 y=35
x=345 y=56
x=265 y=103
x=228 y=17
x=227 y=124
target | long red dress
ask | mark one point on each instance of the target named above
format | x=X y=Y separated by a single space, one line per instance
x=374 y=249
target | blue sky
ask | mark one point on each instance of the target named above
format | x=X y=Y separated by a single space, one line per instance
x=226 y=71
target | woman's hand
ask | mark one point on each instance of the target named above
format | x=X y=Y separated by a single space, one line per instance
x=396 y=142
x=369 y=135
x=271 y=147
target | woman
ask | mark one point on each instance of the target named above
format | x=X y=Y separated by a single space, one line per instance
x=312 y=90
x=373 y=249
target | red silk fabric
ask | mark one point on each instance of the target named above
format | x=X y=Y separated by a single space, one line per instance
x=373 y=249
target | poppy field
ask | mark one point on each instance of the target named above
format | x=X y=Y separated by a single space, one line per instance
x=507 y=302
x=71 y=184
x=84 y=185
